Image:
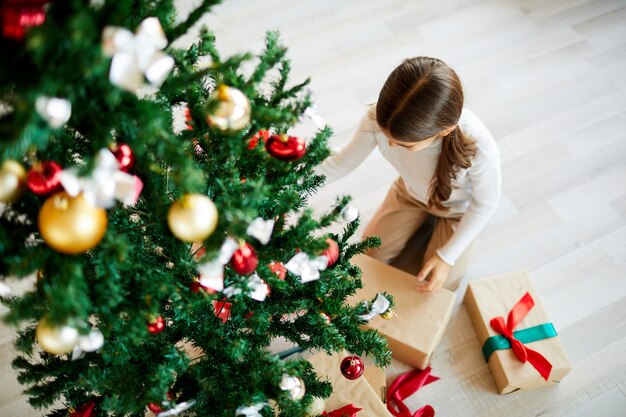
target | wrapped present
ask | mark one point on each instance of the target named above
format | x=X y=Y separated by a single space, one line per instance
x=377 y=379
x=519 y=342
x=356 y=393
x=420 y=318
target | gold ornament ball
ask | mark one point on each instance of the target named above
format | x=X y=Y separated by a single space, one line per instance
x=192 y=218
x=56 y=339
x=233 y=109
x=70 y=224
x=12 y=181
x=387 y=315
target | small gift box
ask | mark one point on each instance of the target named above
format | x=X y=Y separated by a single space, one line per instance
x=519 y=342
x=356 y=393
x=420 y=318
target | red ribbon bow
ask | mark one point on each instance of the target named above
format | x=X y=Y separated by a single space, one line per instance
x=523 y=353
x=403 y=387
x=345 y=411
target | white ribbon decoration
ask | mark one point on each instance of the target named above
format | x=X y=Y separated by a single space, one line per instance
x=5 y=290
x=136 y=55
x=227 y=249
x=261 y=229
x=379 y=306
x=251 y=410
x=259 y=290
x=88 y=343
x=54 y=110
x=178 y=408
x=308 y=269
x=311 y=113
x=105 y=184
x=212 y=275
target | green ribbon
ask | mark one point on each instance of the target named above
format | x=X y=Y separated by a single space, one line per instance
x=531 y=334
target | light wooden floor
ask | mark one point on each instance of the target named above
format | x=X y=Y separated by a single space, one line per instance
x=548 y=78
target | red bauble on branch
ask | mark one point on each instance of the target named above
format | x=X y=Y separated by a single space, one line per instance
x=332 y=252
x=44 y=178
x=157 y=325
x=244 y=260
x=352 y=367
x=155 y=408
x=19 y=15
x=85 y=410
x=124 y=155
x=285 y=148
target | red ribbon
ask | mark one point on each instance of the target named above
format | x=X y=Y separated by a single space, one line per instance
x=403 y=387
x=345 y=411
x=523 y=353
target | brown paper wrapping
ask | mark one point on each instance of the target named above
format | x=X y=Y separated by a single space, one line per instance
x=492 y=297
x=377 y=379
x=421 y=318
x=357 y=392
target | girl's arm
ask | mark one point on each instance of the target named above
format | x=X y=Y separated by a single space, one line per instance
x=486 y=181
x=352 y=154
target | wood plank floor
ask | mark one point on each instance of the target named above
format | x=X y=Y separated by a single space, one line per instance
x=548 y=78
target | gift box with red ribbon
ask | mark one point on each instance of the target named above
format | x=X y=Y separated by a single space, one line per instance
x=519 y=343
x=350 y=397
x=419 y=319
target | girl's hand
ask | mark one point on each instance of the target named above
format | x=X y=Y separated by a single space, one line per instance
x=439 y=271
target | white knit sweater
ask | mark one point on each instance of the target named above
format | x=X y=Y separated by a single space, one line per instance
x=476 y=190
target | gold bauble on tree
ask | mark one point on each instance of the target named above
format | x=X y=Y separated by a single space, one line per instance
x=192 y=218
x=56 y=339
x=12 y=181
x=232 y=112
x=70 y=224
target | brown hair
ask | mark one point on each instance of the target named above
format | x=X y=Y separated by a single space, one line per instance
x=420 y=98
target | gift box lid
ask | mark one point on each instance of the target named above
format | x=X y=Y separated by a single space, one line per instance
x=420 y=318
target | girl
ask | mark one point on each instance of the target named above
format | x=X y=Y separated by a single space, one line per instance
x=448 y=162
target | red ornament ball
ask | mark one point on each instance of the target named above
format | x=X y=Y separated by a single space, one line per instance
x=124 y=155
x=44 y=178
x=332 y=252
x=85 y=410
x=157 y=325
x=155 y=408
x=352 y=367
x=285 y=148
x=244 y=260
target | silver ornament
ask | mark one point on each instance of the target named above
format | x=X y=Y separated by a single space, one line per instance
x=294 y=385
x=54 y=110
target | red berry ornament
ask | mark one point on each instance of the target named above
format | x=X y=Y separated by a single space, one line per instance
x=85 y=410
x=19 y=15
x=157 y=325
x=352 y=367
x=260 y=135
x=124 y=155
x=285 y=148
x=44 y=178
x=278 y=269
x=244 y=260
x=222 y=310
x=332 y=252
x=155 y=408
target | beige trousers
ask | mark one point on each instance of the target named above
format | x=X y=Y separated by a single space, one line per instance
x=402 y=223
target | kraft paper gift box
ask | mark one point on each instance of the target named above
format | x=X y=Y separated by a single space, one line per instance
x=357 y=392
x=494 y=297
x=421 y=318
x=377 y=379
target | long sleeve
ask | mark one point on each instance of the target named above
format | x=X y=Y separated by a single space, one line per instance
x=352 y=154
x=486 y=180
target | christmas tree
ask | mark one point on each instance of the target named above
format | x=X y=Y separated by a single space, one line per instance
x=167 y=257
